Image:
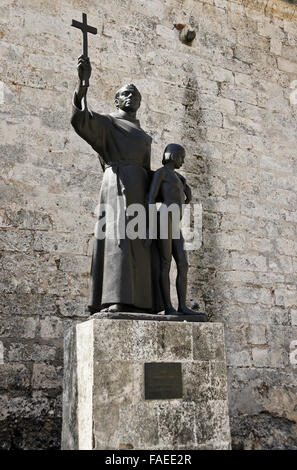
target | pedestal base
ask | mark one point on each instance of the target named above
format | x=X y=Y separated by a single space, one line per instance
x=201 y=317
x=111 y=374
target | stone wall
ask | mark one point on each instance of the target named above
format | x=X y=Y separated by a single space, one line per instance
x=229 y=98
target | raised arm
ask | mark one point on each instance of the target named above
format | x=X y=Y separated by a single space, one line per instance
x=84 y=70
x=90 y=126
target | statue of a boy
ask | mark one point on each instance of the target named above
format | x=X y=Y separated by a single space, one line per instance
x=171 y=189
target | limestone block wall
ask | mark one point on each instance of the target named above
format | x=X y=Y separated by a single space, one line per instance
x=229 y=98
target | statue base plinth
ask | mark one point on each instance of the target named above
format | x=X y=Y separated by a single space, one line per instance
x=148 y=316
x=137 y=384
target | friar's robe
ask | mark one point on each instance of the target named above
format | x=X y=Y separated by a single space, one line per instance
x=121 y=270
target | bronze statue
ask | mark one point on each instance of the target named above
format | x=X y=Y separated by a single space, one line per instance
x=129 y=274
x=121 y=275
x=171 y=189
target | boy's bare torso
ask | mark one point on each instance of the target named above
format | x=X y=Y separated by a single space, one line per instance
x=171 y=187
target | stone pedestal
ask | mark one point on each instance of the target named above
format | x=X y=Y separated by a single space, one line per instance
x=105 y=404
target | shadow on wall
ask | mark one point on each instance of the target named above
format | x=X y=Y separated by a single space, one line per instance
x=31 y=433
x=204 y=287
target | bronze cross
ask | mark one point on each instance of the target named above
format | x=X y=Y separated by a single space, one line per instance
x=85 y=29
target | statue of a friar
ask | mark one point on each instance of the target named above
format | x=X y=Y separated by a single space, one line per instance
x=121 y=271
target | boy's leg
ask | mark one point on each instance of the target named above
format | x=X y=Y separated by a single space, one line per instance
x=180 y=257
x=165 y=253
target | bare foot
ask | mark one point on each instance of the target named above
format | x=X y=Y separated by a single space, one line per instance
x=171 y=311
x=116 y=308
x=187 y=311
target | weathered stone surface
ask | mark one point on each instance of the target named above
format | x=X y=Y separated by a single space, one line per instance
x=104 y=405
x=28 y=422
x=259 y=400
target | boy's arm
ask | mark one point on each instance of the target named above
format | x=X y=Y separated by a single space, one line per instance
x=155 y=186
x=187 y=189
x=151 y=199
x=188 y=193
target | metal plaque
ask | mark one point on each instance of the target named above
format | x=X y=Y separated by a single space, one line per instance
x=162 y=380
